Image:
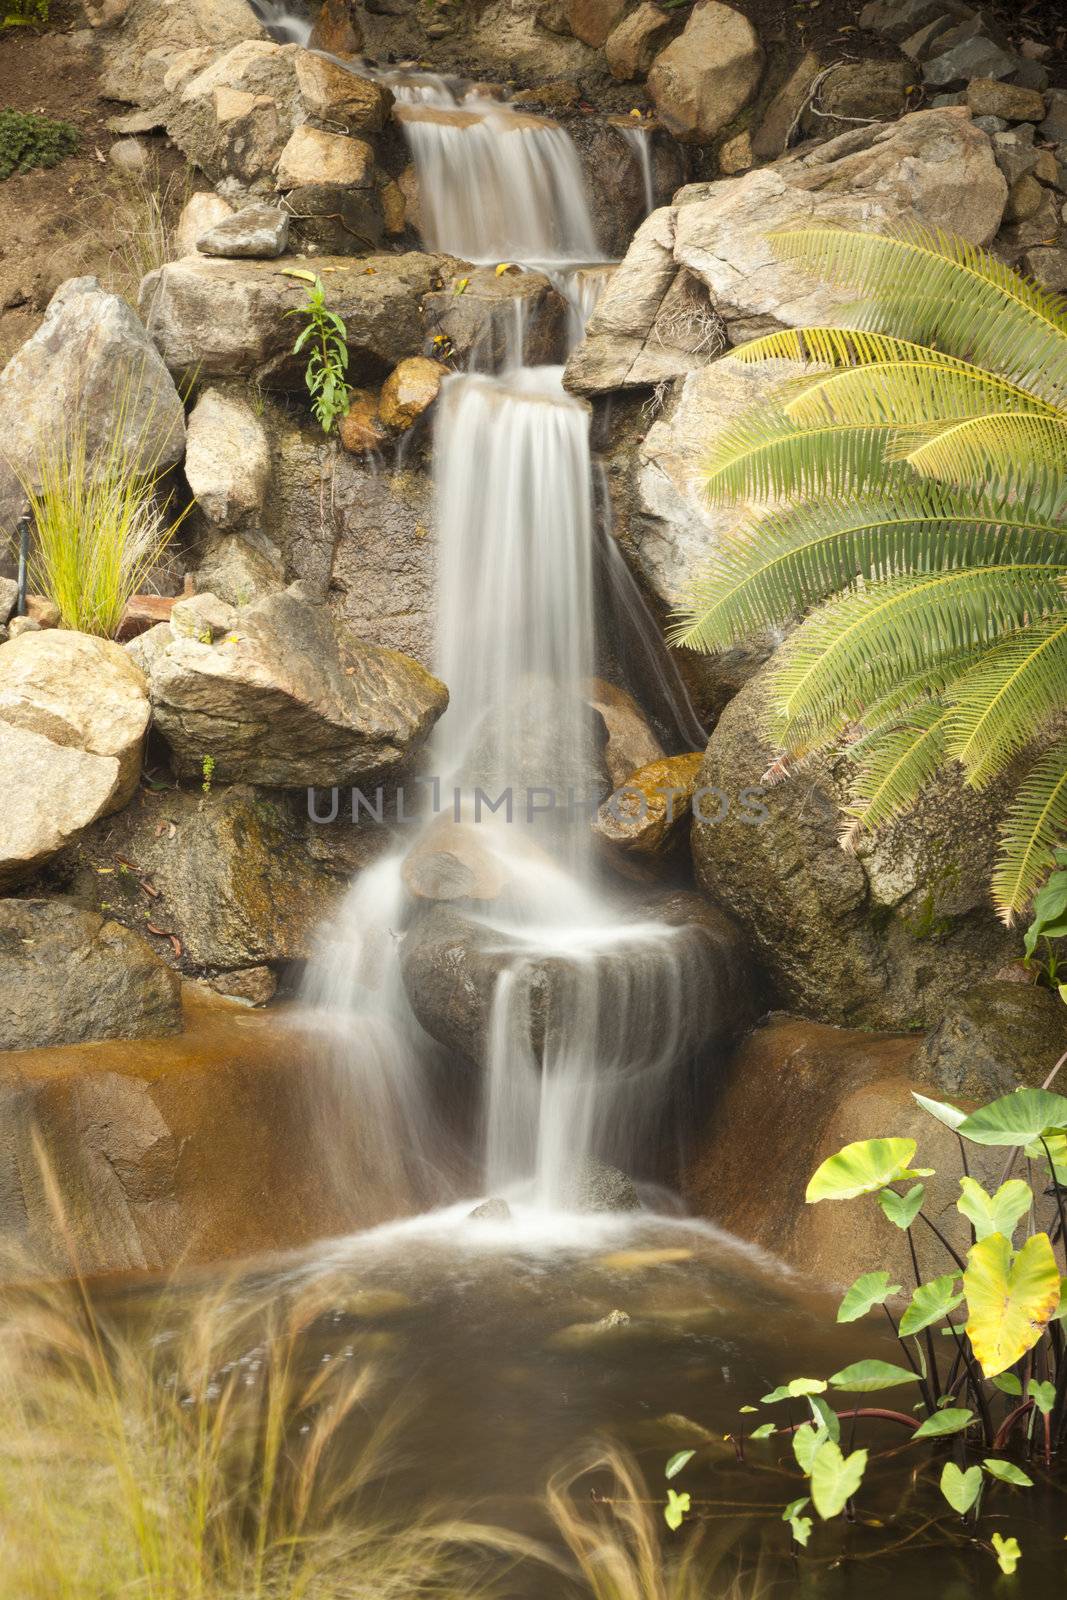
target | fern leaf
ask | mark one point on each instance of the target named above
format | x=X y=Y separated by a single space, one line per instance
x=921 y=392
x=768 y=457
x=998 y=705
x=856 y=647
x=1036 y=823
x=936 y=290
x=895 y=767
x=777 y=565
x=828 y=347
x=971 y=449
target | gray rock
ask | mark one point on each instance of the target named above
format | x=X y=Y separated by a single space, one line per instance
x=220 y=319
x=227 y=459
x=68 y=975
x=973 y=58
x=288 y=701
x=239 y=573
x=702 y=79
x=202 y=616
x=153 y=38
x=200 y=213
x=480 y=323
x=595 y=1186
x=1015 y=152
x=257 y=231
x=922 y=44
x=996 y=1038
x=90 y=364
x=1031 y=75
x=494 y=1210
x=990 y=124
x=1054 y=127
x=854 y=90
x=630 y=47
x=1048 y=266
x=9 y=595
x=780 y=119
x=235 y=116
x=337 y=219
x=899 y=18
x=886 y=937
x=129 y=155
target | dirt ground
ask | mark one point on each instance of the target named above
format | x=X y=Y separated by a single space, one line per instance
x=83 y=216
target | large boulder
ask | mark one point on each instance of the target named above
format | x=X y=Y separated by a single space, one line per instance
x=154 y=37
x=934 y=168
x=233 y=118
x=68 y=975
x=482 y=326
x=703 y=78
x=1000 y=1036
x=223 y=319
x=794 y=1093
x=287 y=700
x=227 y=460
x=89 y=372
x=229 y=875
x=631 y=46
x=886 y=938
x=73 y=716
x=340 y=95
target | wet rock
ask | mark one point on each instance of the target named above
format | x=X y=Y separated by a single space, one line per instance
x=631 y=743
x=703 y=78
x=200 y=213
x=630 y=48
x=227 y=461
x=90 y=366
x=336 y=95
x=253 y=231
x=233 y=879
x=595 y=1186
x=451 y=862
x=219 y=319
x=337 y=29
x=288 y=701
x=613 y=153
x=988 y=98
x=494 y=1210
x=996 y=1038
x=315 y=157
x=586 y=1335
x=256 y=986
x=810 y=1090
x=361 y=429
x=478 y=327
x=651 y=810
x=888 y=937
x=592 y=20
x=409 y=391
x=67 y=975
x=382 y=569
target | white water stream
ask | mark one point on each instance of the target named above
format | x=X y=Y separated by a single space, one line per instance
x=575 y=1067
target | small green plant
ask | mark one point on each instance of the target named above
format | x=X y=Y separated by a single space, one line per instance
x=23 y=13
x=27 y=141
x=101 y=523
x=325 y=333
x=207 y=768
x=1050 y=926
x=982 y=1344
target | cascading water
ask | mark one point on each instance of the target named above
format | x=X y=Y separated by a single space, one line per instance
x=594 y=1005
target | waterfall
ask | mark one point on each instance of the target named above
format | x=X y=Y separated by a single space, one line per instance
x=281 y=23
x=595 y=1004
x=640 y=141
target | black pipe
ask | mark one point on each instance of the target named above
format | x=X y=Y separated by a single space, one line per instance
x=24 y=557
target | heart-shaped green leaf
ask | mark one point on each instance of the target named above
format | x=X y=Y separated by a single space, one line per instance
x=835 y=1478
x=930 y=1302
x=863 y=1377
x=1044 y=1397
x=795 y=1389
x=873 y=1289
x=861 y=1168
x=1007 y=1552
x=944 y=1422
x=997 y=1213
x=807 y=1442
x=1010 y=1299
x=1016 y=1119
x=961 y=1489
x=764 y=1431
x=902 y=1209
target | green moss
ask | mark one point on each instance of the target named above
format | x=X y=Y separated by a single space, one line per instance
x=28 y=141
x=17 y=13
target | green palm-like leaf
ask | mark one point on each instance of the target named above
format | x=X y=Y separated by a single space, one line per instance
x=853 y=648
x=936 y=290
x=896 y=768
x=771 y=457
x=908 y=393
x=970 y=450
x=1035 y=824
x=1009 y=694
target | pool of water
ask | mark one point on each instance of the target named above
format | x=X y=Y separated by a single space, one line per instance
x=514 y=1349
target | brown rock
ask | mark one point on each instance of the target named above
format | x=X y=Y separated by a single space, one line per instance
x=409 y=390
x=592 y=20
x=651 y=810
x=360 y=429
x=735 y=155
x=782 y=116
x=450 y=862
x=1048 y=266
x=44 y=612
x=1024 y=199
x=394 y=208
x=631 y=46
x=144 y=611
x=338 y=29
x=551 y=97
x=631 y=742
x=708 y=74
x=316 y=158
x=335 y=95
x=856 y=91
x=989 y=98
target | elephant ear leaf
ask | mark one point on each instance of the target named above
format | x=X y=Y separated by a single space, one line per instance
x=1010 y=1298
x=902 y=1209
x=1016 y=1119
x=930 y=1302
x=996 y=1213
x=961 y=1489
x=861 y=1168
x=835 y=1478
x=873 y=1289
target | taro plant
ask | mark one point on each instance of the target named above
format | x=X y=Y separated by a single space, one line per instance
x=982 y=1344
x=325 y=338
x=1049 y=926
x=909 y=491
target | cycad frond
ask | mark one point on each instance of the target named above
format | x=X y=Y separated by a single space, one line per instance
x=999 y=705
x=894 y=767
x=895 y=706
x=854 y=648
x=831 y=347
x=920 y=392
x=1036 y=823
x=943 y=291
x=972 y=450
x=770 y=458
x=781 y=563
